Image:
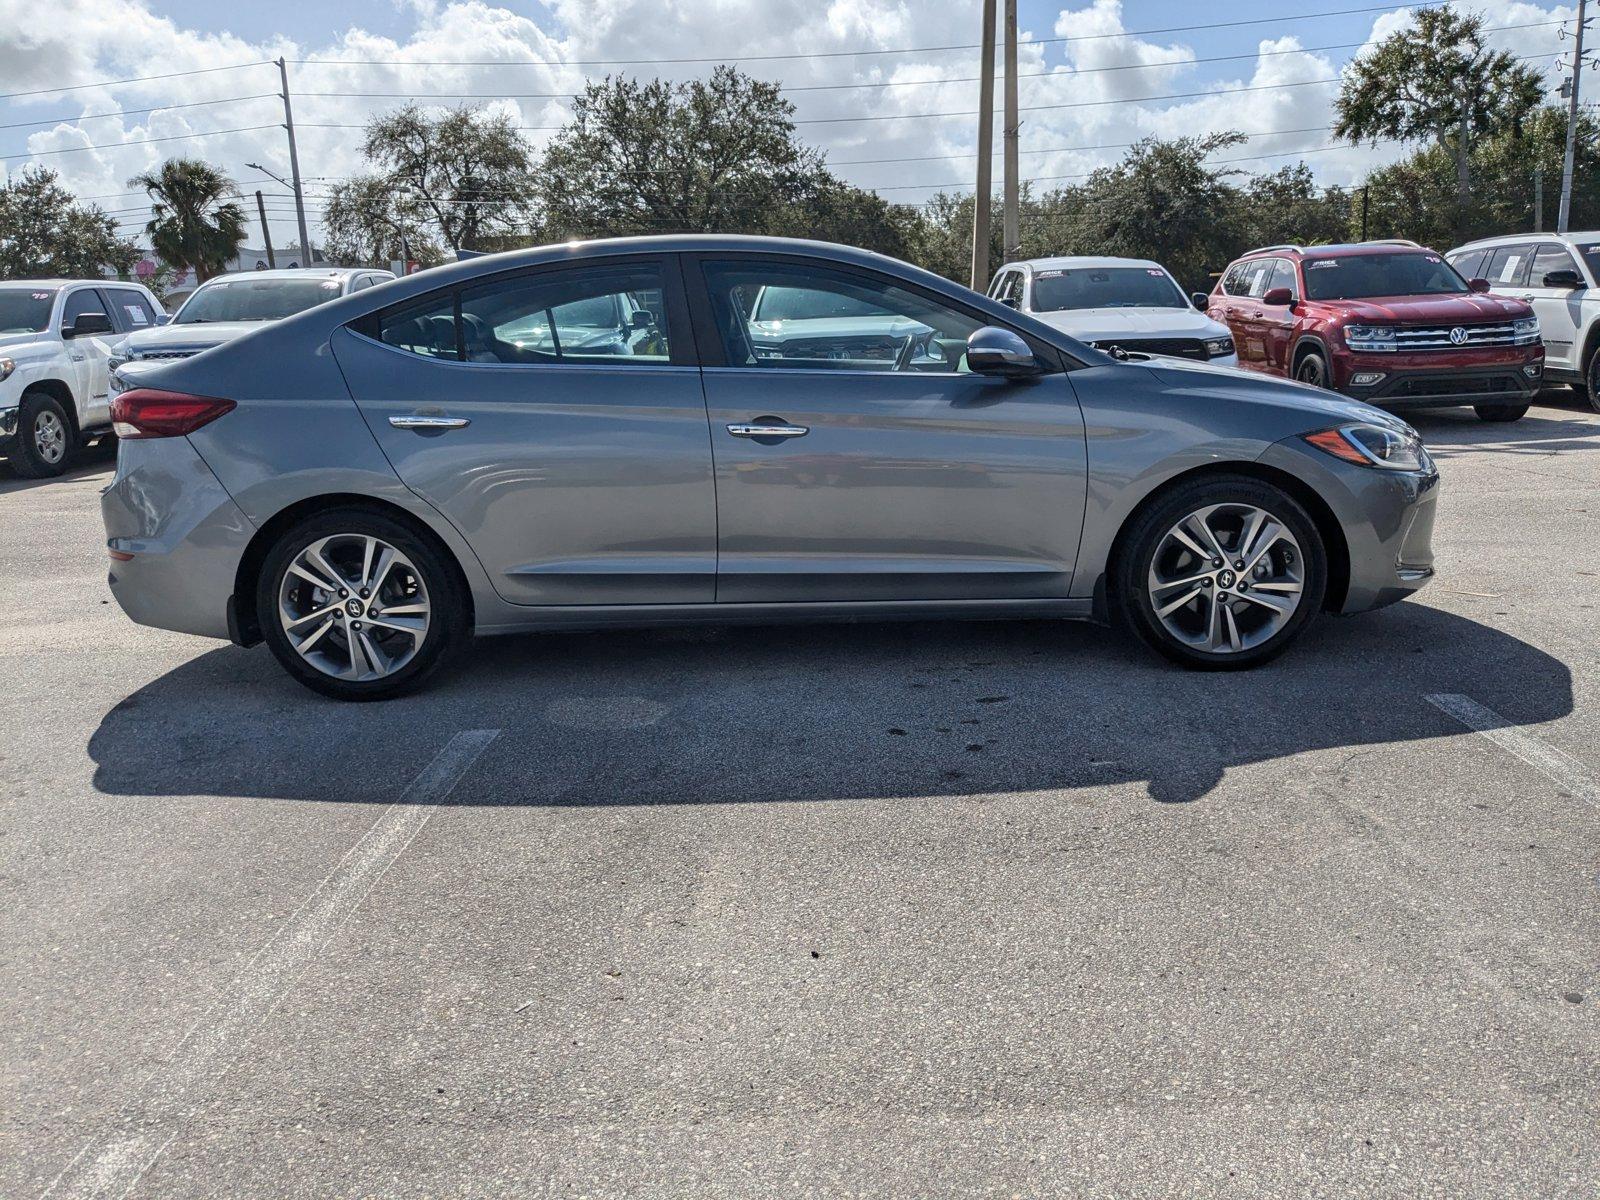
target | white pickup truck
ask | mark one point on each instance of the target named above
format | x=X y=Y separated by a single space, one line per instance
x=55 y=340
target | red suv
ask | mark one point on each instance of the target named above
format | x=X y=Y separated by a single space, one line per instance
x=1390 y=323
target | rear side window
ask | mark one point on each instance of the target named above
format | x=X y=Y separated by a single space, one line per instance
x=426 y=327
x=1507 y=266
x=1231 y=279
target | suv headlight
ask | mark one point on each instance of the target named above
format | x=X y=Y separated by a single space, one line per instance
x=1525 y=331
x=7 y=366
x=1369 y=337
x=1374 y=446
x=1219 y=347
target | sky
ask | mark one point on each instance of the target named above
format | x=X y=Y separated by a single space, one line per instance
x=1093 y=77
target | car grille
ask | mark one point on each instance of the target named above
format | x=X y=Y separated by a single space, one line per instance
x=152 y=355
x=1171 y=347
x=1456 y=385
x=1437 y=337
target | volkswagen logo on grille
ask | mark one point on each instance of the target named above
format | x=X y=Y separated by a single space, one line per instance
x=1458 y=336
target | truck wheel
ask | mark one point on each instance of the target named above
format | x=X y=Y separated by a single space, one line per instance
x=1500 y=412
x=44 y=437
x=1590 y=387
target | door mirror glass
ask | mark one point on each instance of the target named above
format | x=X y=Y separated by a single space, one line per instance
x=1200 y=300
x=163 y=318
x=992 y=351
x=1278 y=296
x=1563 y=278
x=87 y=324
x=1477 y=285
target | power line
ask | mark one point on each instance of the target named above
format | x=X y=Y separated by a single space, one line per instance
x=134 y=112
x=76 y=87
x=176 y=137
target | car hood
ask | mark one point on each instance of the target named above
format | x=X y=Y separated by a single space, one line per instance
x=1435 y=309
x=1321 y=407
x=16 y=342
x=1101 y=324
x=198 y=335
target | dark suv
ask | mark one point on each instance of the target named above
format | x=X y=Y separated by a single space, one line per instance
x=1389 y=322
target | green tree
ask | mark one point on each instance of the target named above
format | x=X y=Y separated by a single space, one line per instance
x=365 y=221
x=195 y=225
x=1289 y=206
x=45 y=233
x=1437 y=79
x=717 y=155
x=466 y=171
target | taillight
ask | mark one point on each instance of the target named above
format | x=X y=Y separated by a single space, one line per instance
x=152 y=413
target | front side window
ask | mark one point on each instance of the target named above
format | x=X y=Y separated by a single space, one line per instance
x=25 y=309
x=1105 y=287
x=1359 y=276
x=1283 y=277
x=249 y=299
x=84 y=300
x=814 y=318
x=1550 y=257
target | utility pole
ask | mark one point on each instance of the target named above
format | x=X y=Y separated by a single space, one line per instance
x=294 y=168
x=1365 y=188
x=1011 y=236
x=980 y=202
x=1572 y=125
x=1538 y=195
x=266 y=233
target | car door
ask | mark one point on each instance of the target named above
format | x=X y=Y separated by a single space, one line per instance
x=872 y=466
x=1558 y=308
x=571 y=453
x=1277 y=321
x=89 y=356
x=1233 y=307
x=1251 y=339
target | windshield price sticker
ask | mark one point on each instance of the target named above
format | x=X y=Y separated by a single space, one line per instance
x=1048 y=274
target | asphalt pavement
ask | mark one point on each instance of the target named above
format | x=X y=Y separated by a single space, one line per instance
x=873 y=910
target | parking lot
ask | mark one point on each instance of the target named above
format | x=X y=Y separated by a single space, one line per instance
x=1007 y=908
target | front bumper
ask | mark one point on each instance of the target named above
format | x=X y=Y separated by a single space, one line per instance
x=1495 y=376
x=1385 y=517
x=183 y=534
x=8 y=426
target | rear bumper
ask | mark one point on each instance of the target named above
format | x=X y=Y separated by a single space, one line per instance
x=1385 y=517
x=184 y=533
x=1498 y=376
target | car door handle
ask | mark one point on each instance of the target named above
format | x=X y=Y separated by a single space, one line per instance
x=769 y=431
x=429 y=422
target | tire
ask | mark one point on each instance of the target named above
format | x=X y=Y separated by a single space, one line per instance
x=45 y=438
x=1151 y=555
x=1498 y=413
x=357 y=654
x=1312 y=369
x=1589 y=389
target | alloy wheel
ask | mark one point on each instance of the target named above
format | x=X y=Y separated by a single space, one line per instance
x=50 y=437
x=354 y=607
x=1226 y=578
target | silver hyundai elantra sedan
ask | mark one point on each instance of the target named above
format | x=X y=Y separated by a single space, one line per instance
x=733 y=429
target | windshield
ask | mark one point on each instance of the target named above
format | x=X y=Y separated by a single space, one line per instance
x=255 y=299
x=25 y=310
x=1363 y=275
x=1105 y=287
x=811 y=304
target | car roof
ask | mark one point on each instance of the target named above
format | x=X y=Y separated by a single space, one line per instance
x=1335 y=250
x=298 y=273
x=1065 y=262
x=59 y=283
x=1509 y=239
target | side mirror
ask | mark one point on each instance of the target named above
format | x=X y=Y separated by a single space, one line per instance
x=1200 y=300
x=1565 y=277
x=992 y=351
x=1009 y=301
x=1277 y=297
x=87 y=325
x=1477 y=285
x=163 y=318
x=642 y=319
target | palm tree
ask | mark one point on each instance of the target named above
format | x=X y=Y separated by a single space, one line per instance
x=194 y=223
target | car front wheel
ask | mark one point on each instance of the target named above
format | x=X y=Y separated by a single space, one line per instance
x=357 y=606
x=1220 y=574
x=44 y=438
x=1590 y=388
x=1312 y=369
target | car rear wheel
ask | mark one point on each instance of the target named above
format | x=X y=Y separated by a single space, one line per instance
x=1220 y=574
x=357 y=606
x=1500 y=412
x=1312 y=369
x=44 y=437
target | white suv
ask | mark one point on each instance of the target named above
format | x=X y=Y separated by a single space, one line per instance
x=55 y=341
x=1559 y=275
x=1113 y=304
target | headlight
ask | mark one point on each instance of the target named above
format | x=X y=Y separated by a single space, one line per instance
x=6 y=367
x=1219 y=347
x=116 y=361
x=1524 y=331
x=1369 y=337
x=1374 y=446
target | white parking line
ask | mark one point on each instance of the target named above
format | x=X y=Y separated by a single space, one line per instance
x=111 y=1164
x=1566 y=771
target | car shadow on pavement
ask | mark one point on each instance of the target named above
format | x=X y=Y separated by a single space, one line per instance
x=1557 y=425
x=90 y=461
x=815 y=713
